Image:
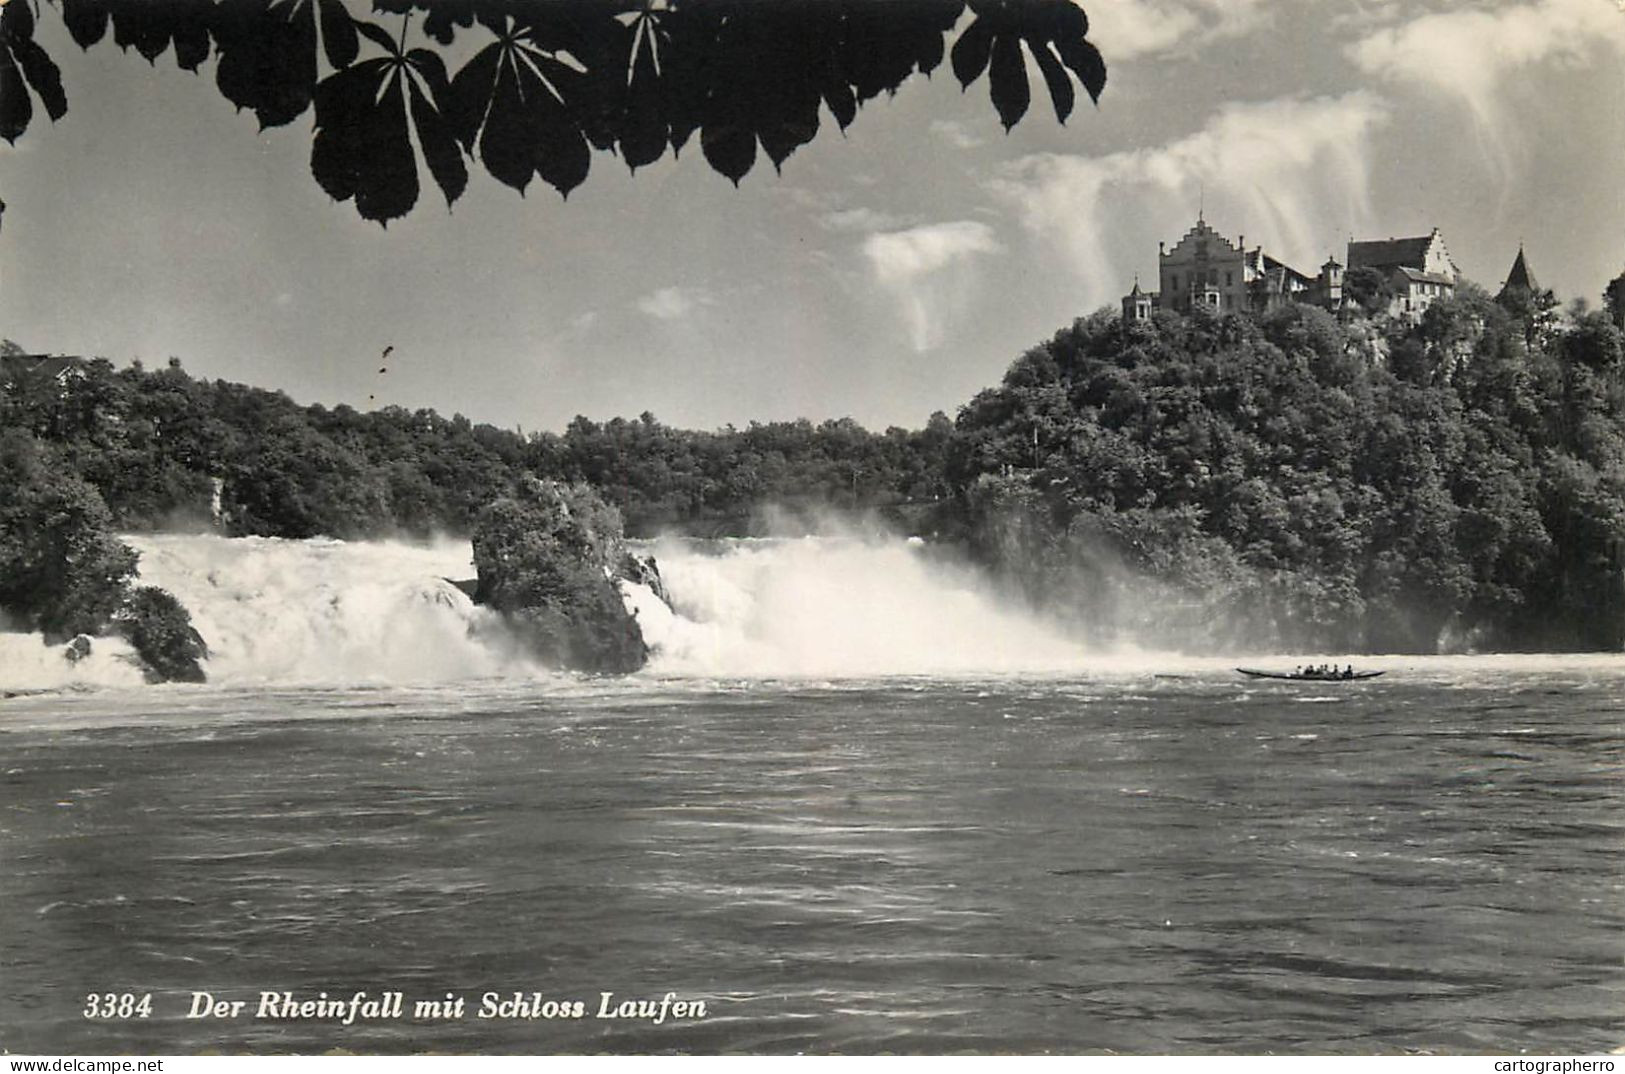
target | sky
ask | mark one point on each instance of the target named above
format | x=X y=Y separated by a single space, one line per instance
x=885 y=273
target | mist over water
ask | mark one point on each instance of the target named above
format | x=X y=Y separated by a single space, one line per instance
x=27 y=663
x=837 y=607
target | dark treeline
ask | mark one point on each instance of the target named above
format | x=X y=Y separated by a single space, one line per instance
x=1313 y=481
x=160 y=446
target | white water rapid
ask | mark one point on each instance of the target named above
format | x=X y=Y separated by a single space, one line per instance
x=835 y=607
x=335 y=612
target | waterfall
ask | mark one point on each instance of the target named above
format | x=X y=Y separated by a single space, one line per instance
x=321 y=610
x=836 y=607
x=380 y=612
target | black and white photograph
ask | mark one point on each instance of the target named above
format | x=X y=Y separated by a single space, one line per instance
x=812 y=527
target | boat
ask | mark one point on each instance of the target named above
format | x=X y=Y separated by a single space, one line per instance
x=1309 y=676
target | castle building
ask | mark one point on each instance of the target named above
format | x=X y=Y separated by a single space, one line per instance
x=1419 y=270
x=1205 y=270
x=21 y=372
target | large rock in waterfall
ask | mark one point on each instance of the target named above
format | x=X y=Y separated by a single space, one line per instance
x=159 y=629
x=549 y=561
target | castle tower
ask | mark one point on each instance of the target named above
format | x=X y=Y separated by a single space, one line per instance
x=1520 y=281
x=1329 y=285
x=1136 y=304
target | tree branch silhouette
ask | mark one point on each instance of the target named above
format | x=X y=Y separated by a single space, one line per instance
x=539 y=86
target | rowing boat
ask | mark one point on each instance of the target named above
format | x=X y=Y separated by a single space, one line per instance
x=1298 y=676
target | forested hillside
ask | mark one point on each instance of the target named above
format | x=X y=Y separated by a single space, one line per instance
x=1312 y=482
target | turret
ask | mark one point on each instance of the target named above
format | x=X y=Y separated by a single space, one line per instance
x=1520 y=284
x=1136 y=304
x=1330 y=283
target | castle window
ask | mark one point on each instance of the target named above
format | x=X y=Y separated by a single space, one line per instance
x=1228 y=279
x=1174 y=281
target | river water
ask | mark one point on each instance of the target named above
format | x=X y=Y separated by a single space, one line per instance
x=1112 y=857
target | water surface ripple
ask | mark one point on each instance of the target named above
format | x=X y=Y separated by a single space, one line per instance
x=1130 y=865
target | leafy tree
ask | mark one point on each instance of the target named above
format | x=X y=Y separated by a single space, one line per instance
x=539 y=86
x=1369 y=289
x=1584 y=510
x=1613 y=300
x=547 y=560
x=160 y=630
x=294 y=482
x=62 y=570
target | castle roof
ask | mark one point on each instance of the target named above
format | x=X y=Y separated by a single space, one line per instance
x=14 y=368
x=1418 y=276
x=1265 y=265
x=1520 y=278
x=1390 y=253
x=1197 y=239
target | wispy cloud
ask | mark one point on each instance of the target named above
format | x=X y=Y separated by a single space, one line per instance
x=1469 y=56
x=674 y=303
x=1292 y=173
x=860 y=220
x=930 y=271
x=1124 y=29
x=954 y=133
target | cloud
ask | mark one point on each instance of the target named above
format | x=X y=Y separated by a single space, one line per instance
x=577 y=328
x=1468 y=56
x=1124 y=29
x=954 y=133
x=930 y=270
x=1291 y=174
x=904 y=255
x=860 y=220
x=674 y=303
